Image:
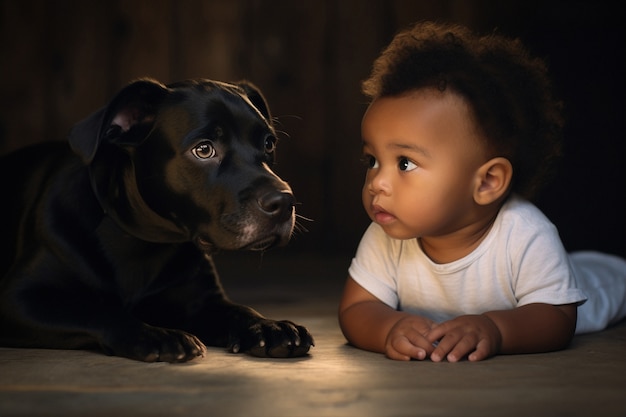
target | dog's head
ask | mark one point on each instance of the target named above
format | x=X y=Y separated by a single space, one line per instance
x=188 y=161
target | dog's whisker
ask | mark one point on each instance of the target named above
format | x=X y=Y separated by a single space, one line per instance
x=301 y=217
x=283 y=133
x=276 y=119
x=299 y=229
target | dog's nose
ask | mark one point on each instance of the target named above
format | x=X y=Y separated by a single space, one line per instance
x=278 y=204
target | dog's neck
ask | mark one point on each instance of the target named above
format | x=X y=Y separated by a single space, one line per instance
x=121 y=200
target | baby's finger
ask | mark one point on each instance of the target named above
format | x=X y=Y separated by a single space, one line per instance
x=455 y=348
x=462 y=348
x=444 y=347
x=401 y=348
x=436 y=332
x=421 y=342
x=483 y=351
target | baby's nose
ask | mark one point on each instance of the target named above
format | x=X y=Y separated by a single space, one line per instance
x=378 y=183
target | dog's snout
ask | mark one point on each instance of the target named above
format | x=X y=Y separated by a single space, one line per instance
x=278 y=204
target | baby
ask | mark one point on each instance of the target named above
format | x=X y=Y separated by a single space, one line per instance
x=458 y=263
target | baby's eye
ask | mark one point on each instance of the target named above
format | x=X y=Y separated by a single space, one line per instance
x=369 y=161
x=405 y=165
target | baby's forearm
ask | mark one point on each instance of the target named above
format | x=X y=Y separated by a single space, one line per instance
x=535 y=327
x=366 y=324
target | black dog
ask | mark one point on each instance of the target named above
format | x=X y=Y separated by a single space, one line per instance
x=109 y=246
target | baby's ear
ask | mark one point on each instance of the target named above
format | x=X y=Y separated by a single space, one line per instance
x=493 y=179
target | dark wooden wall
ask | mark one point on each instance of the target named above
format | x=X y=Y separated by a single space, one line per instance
x=61 y=60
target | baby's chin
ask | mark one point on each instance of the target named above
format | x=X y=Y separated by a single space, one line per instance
x=396 y=231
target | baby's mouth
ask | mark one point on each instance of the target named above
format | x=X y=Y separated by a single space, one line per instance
x=381 y=216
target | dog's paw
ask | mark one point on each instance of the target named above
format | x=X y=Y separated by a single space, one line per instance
x=156 y=344
x=273 y=339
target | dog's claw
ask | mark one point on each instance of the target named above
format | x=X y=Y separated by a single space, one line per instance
x=277 y=339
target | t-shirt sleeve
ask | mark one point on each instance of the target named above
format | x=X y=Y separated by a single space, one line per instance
x=544 y=273
x=374 y=265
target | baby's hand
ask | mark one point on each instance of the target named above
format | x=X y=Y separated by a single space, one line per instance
x=474 y=336
x=407 y=339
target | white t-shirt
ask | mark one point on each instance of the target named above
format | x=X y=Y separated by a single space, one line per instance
x=520 y=261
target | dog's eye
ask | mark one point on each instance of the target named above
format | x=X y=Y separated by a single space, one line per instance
x=270 y=144
x=204 y=150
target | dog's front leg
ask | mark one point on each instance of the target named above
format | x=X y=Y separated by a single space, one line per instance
x=195 y=302
x=250 y=332
x=245 y=330
x=41 y=314
x=140 y=341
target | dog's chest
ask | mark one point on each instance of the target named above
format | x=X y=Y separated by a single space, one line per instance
x=140 y=268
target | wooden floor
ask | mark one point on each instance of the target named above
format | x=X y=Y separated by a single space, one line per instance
x=588 y=379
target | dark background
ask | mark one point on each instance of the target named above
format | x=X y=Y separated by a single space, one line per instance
x=61 y=60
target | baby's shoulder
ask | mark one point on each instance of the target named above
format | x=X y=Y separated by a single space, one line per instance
x=521 y=226
x=520 y=213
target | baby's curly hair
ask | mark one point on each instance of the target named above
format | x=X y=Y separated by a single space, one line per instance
x=508 y=91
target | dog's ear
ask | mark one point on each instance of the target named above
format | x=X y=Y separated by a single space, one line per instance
x=83 y=137
x=135 y=105
x=256 y=98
